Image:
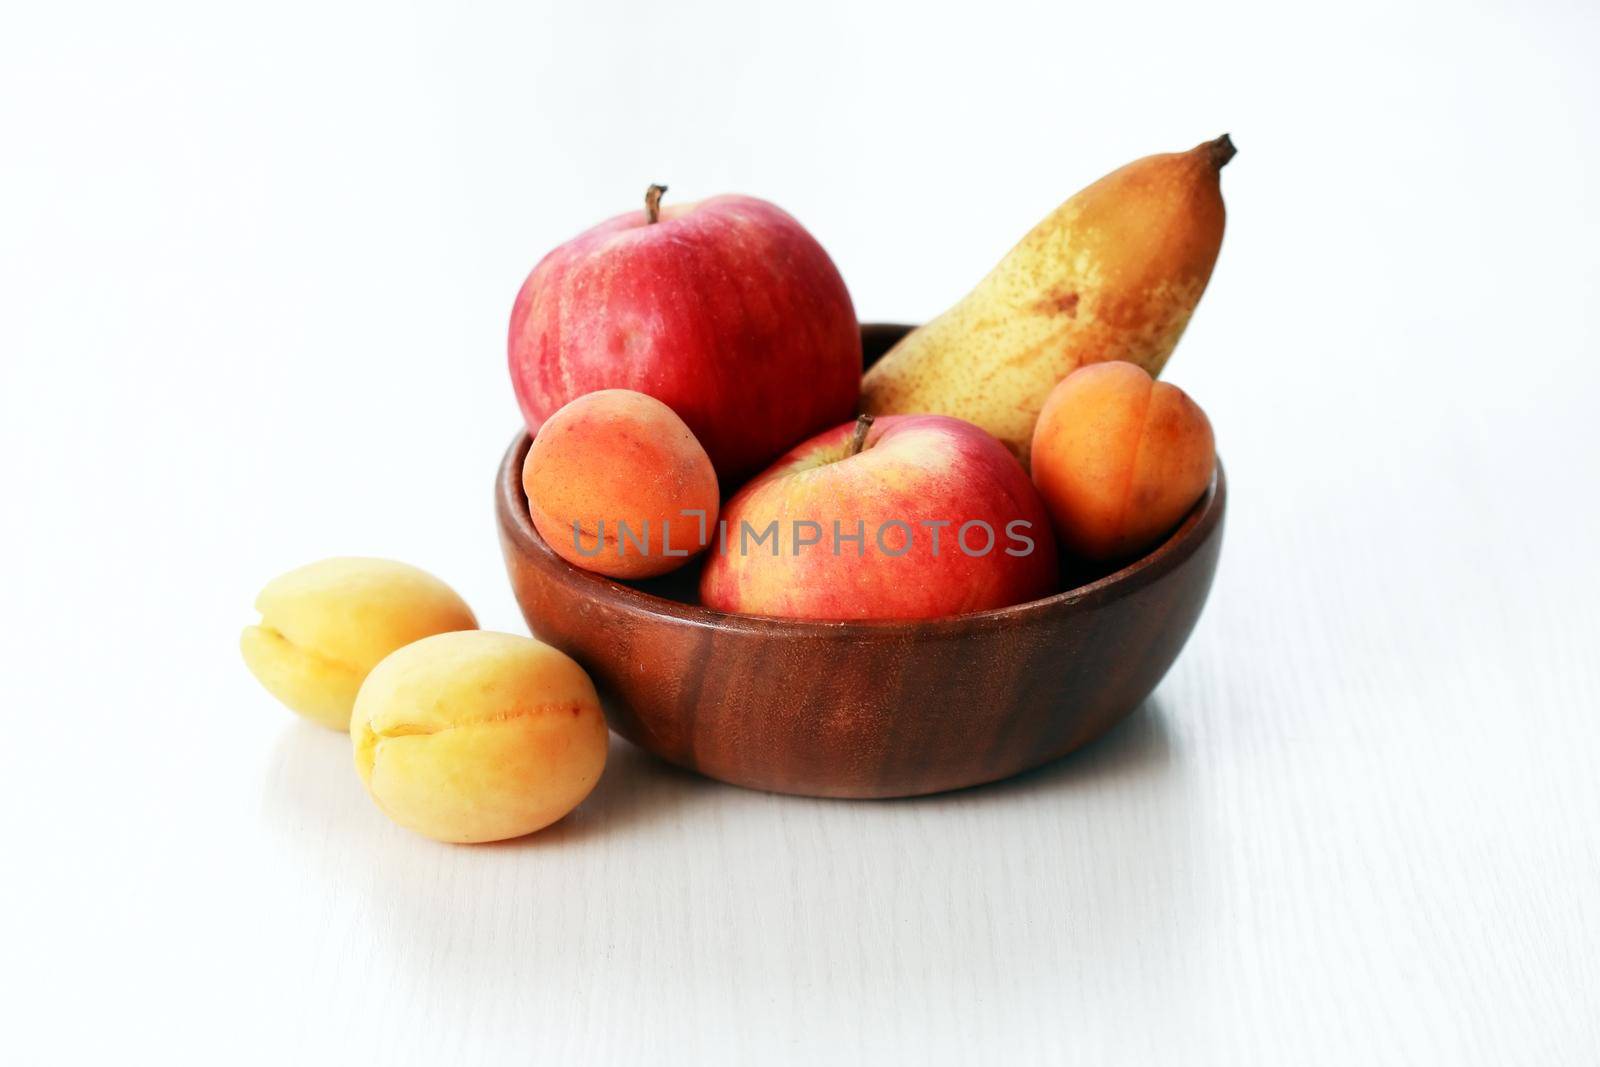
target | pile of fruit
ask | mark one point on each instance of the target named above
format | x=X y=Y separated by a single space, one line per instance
x=692 y=378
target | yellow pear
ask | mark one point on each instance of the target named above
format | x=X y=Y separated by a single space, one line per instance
x=1113 y=273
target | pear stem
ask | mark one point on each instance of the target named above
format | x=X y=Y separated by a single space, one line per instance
x=858 y=439
x=652 y=203
x=1222 y=150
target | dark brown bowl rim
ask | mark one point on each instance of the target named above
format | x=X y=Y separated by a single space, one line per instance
x=1182 y=543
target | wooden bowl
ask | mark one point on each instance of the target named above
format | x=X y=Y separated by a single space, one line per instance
x=865 y=709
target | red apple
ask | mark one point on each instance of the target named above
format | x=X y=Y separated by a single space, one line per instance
x=917 y=517
x=726 y=310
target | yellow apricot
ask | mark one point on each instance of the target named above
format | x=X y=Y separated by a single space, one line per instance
x=478 y=736
x=325 y=625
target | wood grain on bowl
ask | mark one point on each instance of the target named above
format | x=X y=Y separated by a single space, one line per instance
x=865 y=709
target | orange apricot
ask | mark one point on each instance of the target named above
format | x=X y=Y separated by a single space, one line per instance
x=618 y=484
x=1119 y=458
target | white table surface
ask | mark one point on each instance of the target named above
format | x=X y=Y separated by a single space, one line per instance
x=256 y=270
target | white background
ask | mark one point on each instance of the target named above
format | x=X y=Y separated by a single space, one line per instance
x=257 y=268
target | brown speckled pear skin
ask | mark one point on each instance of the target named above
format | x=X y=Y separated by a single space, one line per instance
x=1113 y=273
x=865 y=709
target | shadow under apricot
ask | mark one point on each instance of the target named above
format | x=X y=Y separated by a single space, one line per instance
x=636 y=791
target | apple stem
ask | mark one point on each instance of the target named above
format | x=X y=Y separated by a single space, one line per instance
x=652 y=203
x=859 y=439
x=1222 y=150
